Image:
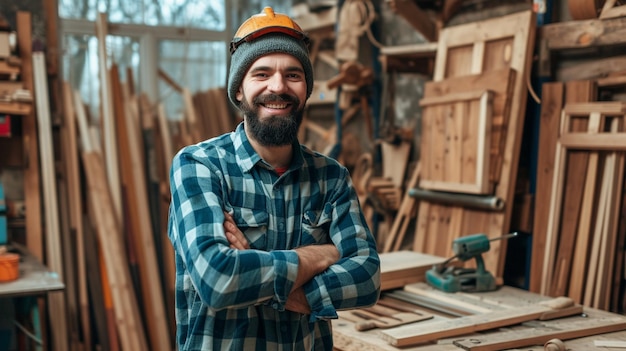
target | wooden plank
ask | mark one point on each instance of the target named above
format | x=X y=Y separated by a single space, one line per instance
x=612 y=141
x=615 y=167
x=400 y=268
x=15 y=108
x=72 y=172
x=407 y=335
x=597 y=68
x=597 y=238
x=139 y=224
x=614 y=254
x=126 y=308
x=580 y=257
x=107 y=118
x=584 y=34
x=606 y=234
x=452 y=300
x=552 y=102
x=595 y=323
x=54 y=255
x=32 y=196
x=403 y=216
x=544 y=236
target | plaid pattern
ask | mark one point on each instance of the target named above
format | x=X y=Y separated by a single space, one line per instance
x=230 y=299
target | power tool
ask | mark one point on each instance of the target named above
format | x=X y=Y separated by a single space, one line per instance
x=452 y=279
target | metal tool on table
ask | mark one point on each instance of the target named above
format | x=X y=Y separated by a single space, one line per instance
x=453 y=279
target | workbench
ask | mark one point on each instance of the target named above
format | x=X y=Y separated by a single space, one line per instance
x=34 y=279
x=347 y=338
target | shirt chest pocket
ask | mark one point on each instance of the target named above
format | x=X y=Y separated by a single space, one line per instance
x=316 y=226
x=253 y=224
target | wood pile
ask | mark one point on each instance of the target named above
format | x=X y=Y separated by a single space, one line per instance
x=578 y=237
x=128 y=246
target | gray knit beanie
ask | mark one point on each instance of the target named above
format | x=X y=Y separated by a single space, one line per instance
x=271 y=43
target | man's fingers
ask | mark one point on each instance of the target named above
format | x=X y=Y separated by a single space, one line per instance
x=233 y=234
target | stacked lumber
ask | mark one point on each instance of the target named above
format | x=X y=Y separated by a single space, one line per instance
x=134 y=293
x=577 y=232
x=113 y=187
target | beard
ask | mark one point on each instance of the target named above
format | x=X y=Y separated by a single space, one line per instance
x=273 y=130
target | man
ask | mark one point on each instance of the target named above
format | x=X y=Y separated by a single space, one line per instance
x=269 y=237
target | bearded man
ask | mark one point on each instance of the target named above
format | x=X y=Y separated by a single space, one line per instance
x=269 y=237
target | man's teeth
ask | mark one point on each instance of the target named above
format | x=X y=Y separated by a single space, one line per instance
x=276 y=105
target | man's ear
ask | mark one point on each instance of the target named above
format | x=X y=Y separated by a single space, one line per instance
x=239 y=95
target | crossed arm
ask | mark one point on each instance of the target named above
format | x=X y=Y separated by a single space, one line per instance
x=313 y=260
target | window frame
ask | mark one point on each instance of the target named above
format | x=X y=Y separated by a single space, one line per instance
x=149 y=37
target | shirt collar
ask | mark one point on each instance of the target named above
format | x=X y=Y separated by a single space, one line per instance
x=247 y=157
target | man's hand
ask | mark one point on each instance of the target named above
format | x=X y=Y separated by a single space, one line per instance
x=297 y=302
x=235 y=237
x=314 y=259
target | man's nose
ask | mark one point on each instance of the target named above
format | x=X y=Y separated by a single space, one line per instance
x=277 y=83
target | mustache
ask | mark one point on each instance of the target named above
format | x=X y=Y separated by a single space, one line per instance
x=261 y=99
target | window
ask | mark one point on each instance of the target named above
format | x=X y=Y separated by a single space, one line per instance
x=186 y=39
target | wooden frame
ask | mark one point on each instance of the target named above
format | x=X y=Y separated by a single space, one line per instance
x=456 y=135
x=570 y=139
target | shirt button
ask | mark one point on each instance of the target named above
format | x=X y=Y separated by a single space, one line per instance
x=281 y=226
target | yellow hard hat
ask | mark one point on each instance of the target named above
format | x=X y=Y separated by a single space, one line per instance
x=264 y=23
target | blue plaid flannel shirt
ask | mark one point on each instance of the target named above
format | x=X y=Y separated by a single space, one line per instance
x=229 y=299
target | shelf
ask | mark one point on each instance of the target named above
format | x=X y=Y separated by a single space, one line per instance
x=15 y=108
x=419 y=58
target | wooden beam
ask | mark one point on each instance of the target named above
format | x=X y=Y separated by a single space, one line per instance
x=419 y=19
x=584 y=33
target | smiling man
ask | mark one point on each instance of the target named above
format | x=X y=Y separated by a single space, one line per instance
x=269 y=237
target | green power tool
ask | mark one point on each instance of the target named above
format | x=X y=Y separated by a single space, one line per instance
x=452 y=279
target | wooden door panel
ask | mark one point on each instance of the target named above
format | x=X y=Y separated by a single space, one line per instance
x=504 y=42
